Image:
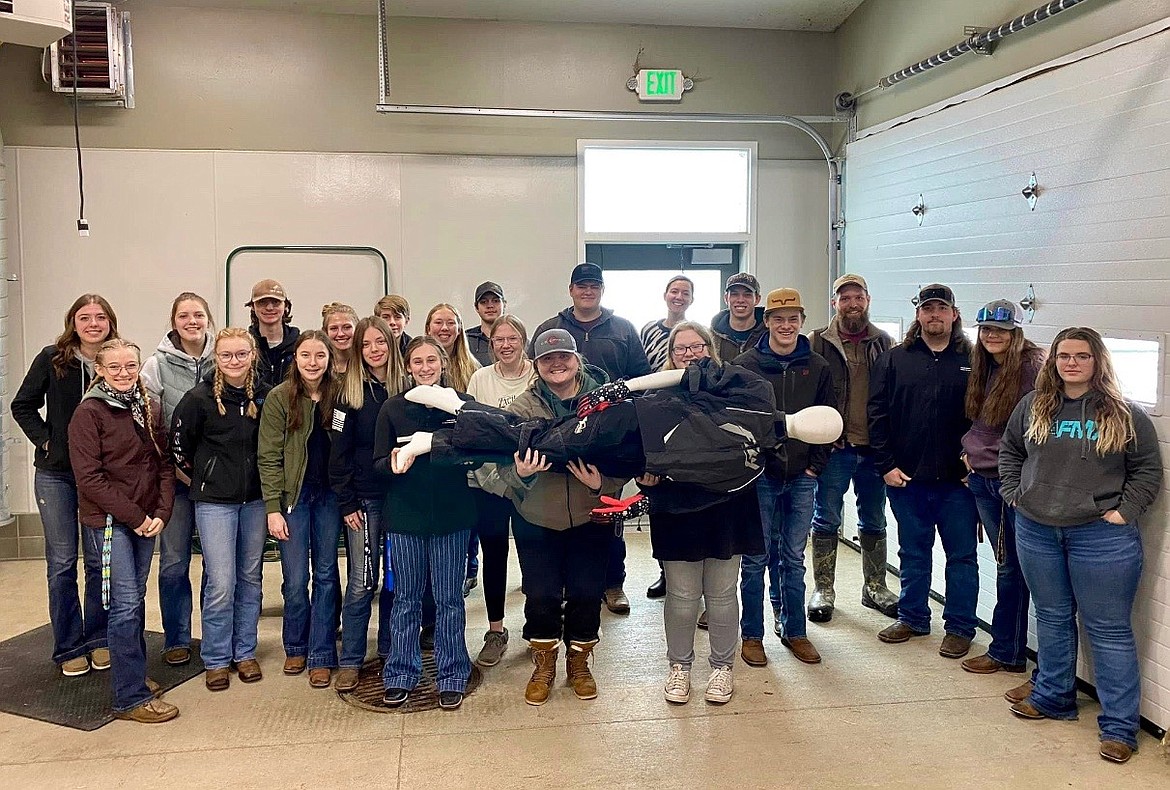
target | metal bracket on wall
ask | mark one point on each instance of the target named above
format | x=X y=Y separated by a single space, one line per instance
x=919 y=209
x=970 y=31
x=1029 y=303
x=1031 y=192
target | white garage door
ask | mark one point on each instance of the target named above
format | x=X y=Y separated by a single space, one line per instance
x=1096 y=247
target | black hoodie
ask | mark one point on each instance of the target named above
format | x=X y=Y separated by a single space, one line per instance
x=218 y=452
x=611 y=344
x=273 y=363
x=351 y=453
x=60 y=397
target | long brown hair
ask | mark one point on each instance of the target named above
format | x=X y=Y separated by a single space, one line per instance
x=297 y=388
x=353 y=383
x=421 y=340
x=460 y=364
x=190 y=296
x=148 y=412
x=1113 y=416
x=68 y=342
x=958 y=336
x=995 y=406
x=236 y=333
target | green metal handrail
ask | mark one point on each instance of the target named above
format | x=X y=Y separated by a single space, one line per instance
x=345 y=248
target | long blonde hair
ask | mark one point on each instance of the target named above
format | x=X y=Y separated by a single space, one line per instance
x=698 y=329
x=444 y=360
x=148 y=412
x=353 y=383
x=461 y=364
x=217 y=383
x=1113 y=416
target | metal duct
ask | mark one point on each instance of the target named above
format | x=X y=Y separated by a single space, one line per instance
x=978 y=41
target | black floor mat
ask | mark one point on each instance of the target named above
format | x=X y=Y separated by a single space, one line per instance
x=31 y=685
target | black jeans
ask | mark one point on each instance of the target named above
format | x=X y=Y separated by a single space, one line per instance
x=493 y=513
x=566 y=565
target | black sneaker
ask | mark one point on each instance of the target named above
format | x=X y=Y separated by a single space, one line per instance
x=658 y=588
x=450 y=700
x=395 y=697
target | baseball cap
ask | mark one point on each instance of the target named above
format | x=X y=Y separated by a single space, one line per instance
x=1001 y=313
x=585 y=273
x=936 y=292
x=267 y=289
x=552 y=340
x=783 y=297
x=743 y=280
x=850 y=279
x=488 y=288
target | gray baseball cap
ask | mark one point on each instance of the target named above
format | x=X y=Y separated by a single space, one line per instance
x=552 y=340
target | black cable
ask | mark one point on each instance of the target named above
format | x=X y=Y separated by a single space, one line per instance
x=82 y=225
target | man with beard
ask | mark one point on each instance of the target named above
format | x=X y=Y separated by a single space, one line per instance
x=851 y=346
x=916 y=425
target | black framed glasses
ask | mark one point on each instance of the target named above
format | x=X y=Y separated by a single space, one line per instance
x=694 y=348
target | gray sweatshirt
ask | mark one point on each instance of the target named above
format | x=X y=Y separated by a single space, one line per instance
x=1064 y=482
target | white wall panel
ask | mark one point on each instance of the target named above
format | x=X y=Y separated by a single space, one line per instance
x=1097 y=133
x=792 y=233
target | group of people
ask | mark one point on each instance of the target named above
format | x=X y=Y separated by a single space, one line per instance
x=269 y=432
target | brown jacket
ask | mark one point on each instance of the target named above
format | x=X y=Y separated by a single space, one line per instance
x=117 y=469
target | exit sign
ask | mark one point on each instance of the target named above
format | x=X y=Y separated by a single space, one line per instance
x=661 y=84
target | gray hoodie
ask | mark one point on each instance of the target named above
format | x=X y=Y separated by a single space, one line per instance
x=1064 y=482
x=170 y=372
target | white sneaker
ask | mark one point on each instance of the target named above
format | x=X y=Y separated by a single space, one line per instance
x=678 y=684
x=720 y=685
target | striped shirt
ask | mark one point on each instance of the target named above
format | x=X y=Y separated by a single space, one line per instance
x=655 y=336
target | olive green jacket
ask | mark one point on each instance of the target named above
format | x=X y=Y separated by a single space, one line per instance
x=282 y=456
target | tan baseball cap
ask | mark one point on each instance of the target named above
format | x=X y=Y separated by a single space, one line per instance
x=849 y=279
x=783 y=297
x=267 y=289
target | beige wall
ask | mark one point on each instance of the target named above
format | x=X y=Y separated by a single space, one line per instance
x=256 y=80
x=883 y=36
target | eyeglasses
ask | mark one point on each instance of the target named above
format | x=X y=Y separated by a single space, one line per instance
x=505 y=341
x=694 y=348
x=1081 y=358
x=228 y=356
x=1002 y=314
x=116 y=370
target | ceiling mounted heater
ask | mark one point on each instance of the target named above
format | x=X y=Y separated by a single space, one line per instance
x=104 y=69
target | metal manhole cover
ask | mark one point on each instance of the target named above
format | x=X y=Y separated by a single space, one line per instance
x=368 y=694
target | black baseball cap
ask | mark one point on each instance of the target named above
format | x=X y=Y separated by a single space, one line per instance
x=936 y=292
x=488 y=288
x=586 y=273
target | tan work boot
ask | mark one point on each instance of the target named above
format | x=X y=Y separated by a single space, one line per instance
x=544 y=656
x=580 y=678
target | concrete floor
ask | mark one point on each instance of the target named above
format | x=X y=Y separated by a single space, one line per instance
x=870 y=715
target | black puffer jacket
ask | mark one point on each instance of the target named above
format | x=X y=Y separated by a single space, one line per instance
x=60 y=397
x=351 y=455
x=218 y=451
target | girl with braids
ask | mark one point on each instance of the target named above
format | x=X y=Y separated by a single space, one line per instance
x=339 y=321
x=1081 y=464
x=125 y=486
x=445 y=325
x=302 y=510
x=1004 y=365
x=182 y=359
x=214 y=433
x=58 y=377
x=359 y=489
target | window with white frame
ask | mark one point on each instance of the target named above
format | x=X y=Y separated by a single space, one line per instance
x=1137 y=361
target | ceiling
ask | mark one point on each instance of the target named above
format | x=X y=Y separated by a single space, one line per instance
x=812 y=15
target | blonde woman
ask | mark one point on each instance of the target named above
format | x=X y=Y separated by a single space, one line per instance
x=1080 y=464
x=445 y=325
x=339 y=322
x=214 y=433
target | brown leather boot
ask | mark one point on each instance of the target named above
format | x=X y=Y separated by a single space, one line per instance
x=544 y=656
x=580 y=678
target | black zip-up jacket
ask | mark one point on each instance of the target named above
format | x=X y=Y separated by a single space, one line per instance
x=273 y=363
x=428 y=499
x=480 y=345
x=916 y=411
x=799 y=380
x=60 y=397
x=351 y=454
x=612 y=344
x=218 y=451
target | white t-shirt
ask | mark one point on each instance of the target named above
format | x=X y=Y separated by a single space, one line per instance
x=489 y=387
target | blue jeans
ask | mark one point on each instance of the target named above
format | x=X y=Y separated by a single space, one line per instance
x=445 y=557
x=786 y=512
x=78 y=628
x=130 y=557
x=355 y=608
x=233 y=552
x=174 y=571
x=1092 y=569
x=1009 y=619
x=310 y=626
x=920 y=509
x=849 y=464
